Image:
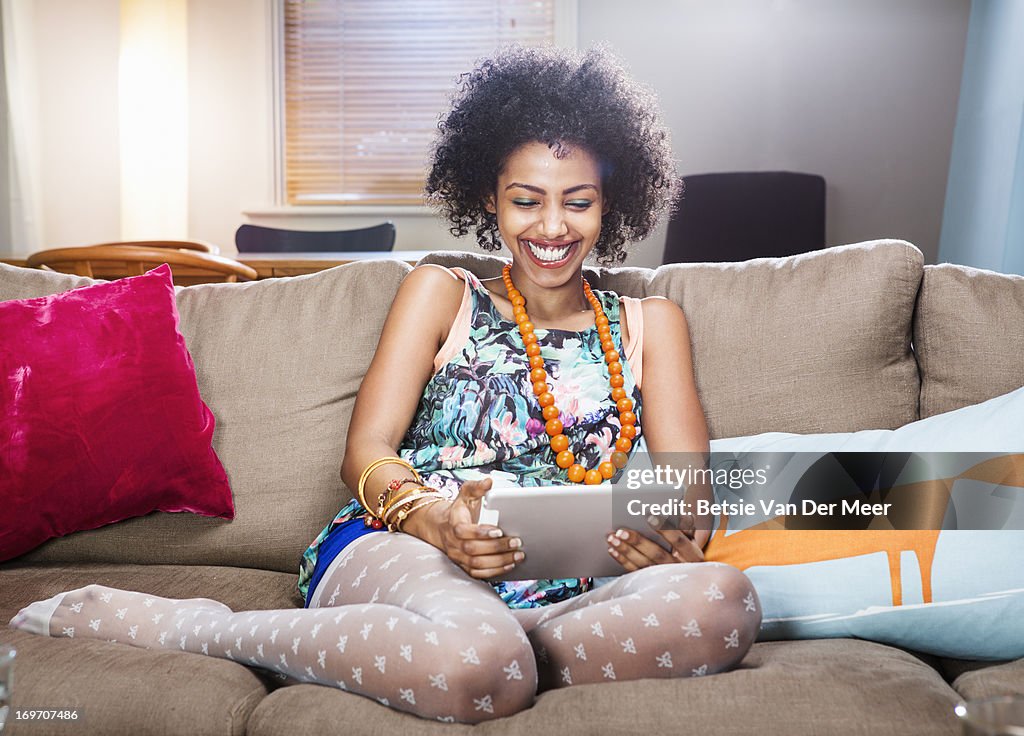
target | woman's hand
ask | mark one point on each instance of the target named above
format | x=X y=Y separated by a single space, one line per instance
x=634 y=551
x=481 y=550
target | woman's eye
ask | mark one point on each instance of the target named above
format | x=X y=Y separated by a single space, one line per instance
x=518 y=202
x=579 y=204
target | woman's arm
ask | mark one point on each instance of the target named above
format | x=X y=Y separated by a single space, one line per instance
x=672 y=424
x=415 y=329
x=673 y=418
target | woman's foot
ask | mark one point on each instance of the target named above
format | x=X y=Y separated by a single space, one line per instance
x=98 y=612
x=35 y=617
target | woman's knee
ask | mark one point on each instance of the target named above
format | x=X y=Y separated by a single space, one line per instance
x=712 y=597
x=489 y=676
x=739 y=617
x=739 y=592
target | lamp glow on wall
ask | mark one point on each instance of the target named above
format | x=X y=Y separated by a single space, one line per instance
x=153 y=99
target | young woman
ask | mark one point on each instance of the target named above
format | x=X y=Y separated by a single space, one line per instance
x=530 y=377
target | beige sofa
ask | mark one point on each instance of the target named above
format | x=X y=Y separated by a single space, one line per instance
x=861 y=336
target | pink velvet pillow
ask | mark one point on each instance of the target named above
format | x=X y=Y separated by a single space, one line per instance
x=100 y=413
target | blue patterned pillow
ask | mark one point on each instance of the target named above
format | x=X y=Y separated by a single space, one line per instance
x=955 y=593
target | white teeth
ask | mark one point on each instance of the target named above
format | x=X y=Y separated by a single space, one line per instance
x=548 y=254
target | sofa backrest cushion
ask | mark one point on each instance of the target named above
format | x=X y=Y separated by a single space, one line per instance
x=279 y=363
x=818 y=342
x=969 y=336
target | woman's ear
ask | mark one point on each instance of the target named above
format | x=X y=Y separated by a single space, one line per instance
x=489 y=205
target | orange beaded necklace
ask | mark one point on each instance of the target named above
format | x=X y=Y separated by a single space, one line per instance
x=559 y=442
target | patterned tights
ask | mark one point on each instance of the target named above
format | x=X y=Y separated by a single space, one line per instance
x=400 y=623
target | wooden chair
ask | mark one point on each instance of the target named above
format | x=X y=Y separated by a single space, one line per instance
x=258 y=239
x=199 y=245
x=117 y=260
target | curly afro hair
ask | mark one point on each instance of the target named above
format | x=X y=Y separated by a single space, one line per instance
x=563 y=99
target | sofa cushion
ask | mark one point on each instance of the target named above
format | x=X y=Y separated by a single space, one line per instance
x=30 y=283
x=279 y=362
x=990 y=682
x=242 y=589
x=968 y=335
x=799 y=688
x=818 y=342
x=71 y=362
x=121 y=690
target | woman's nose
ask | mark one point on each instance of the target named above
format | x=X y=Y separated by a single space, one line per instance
x=553 y=223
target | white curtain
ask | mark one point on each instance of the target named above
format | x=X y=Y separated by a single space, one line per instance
x=983 y=222
x=20 y=214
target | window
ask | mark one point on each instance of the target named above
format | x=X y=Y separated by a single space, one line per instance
x=365 y=82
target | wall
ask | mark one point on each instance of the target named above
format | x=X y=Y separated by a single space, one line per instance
x=77 y=44
x=863 y=92
x=5 y=162
x=230 y=123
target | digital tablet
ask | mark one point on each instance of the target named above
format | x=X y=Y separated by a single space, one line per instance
x=565 y=528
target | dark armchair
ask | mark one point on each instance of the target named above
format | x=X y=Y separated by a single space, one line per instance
x=739 y=216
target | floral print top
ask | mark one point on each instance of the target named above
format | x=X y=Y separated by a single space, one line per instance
x=478 y=416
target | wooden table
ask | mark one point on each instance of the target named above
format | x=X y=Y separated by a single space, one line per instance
x=267 y=265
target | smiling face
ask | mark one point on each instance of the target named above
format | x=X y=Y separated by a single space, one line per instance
x=549 y=211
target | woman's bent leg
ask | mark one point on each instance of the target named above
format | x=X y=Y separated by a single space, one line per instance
x=402 y=624
x=680 y=620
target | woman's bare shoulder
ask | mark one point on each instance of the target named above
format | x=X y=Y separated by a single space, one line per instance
x=660 y=311
x=435 y=283
x=430 y=295
x=432 y=274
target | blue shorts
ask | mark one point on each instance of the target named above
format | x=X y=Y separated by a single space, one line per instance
x=338 y=538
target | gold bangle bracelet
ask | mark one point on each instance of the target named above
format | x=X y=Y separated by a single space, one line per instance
x=406 y=513
x=387 y=516
x=410 y=499
x=385 y=502
x=360 y=495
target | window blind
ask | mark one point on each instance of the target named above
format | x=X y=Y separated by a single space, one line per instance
x=365 y=82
